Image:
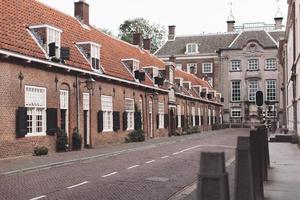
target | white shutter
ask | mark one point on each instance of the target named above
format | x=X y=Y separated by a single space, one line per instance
x=106 y=103
x=35 y=97
x=86 y=101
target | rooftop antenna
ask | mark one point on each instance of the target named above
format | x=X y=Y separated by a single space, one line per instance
x=278 y=12
x=230 y=17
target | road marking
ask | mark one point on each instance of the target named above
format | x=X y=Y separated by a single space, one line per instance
x=165 y=157
x=150 y=161
x=70 y=187
x=133 y=166
x=107 y=175
x=177 y=153
x=40 y=197
x=194 y=147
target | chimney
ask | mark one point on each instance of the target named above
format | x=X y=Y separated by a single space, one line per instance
x=147 y=44
x=230 y=26
x=278 y=23
x=137 y=39
x=171 y=35
x=172 y=59
x=81 y=11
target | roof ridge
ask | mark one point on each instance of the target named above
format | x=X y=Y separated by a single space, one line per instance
x=208 y=34
x=273 y=40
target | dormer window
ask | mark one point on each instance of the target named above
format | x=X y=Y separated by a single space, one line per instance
x=49 y=38
x=91 y=52
x=191 y=48
x=187 y=85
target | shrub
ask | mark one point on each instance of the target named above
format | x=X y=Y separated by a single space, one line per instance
x=135 y=136
x=76 y=140
x=40 y=151
x=61 y=141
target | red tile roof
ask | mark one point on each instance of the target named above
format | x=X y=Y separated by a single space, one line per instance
x=192 y=78
x=17 y=15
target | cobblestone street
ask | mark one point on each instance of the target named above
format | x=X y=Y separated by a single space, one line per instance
x=150 y=171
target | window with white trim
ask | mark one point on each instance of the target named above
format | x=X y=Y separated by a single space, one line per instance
x=207 y=68
x=210 y=80
x=178 y=66
x=64 y=107
x=253 y=64
x=95 y=56
x=252 y=89
x=235 y=90
x=194 y=116
x=214 y=116
x=235 y=112
x=271 y=90
x=235 y=65
x=191 y=48
x=161 y=115
x=107 y=108
x=35 y=101
x=178 y=116
x=54 y=36
x=271 y=64
x=192 y=68
x=271 y=111
x=129 y=108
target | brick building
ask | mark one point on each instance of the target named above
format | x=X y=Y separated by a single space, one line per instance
x=58 y=71
x=237 y=64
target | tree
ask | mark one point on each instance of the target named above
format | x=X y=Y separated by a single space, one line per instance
x=156 y=32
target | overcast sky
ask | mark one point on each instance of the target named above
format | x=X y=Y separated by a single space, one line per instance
x=189 y=16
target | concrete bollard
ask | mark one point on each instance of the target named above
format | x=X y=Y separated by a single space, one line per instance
x=266 y=142
x=212 y=179
x=263 y=153
x=256 y=165
x=244 y=180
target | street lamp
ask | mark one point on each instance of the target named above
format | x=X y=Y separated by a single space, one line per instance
x=90 y=83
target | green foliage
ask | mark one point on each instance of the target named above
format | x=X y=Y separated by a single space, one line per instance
x=192 y=130
x=76 y=140
x=107 y=31
x=154 y=31
x=135 y=136
x=40 y=151
x=61 y=141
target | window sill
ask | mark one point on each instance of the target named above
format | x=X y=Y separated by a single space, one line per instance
x=235 y=70
x=271 y=69
x=129 y=129
x=108 y=130
x=253 y=70
x=35 y=134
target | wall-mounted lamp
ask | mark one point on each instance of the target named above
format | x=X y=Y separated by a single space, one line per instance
x=20 y=77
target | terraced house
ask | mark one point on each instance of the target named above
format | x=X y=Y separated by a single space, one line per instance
x=237 y=63
x=58 y=71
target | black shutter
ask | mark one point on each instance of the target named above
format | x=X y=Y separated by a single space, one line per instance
x=177 y=121
x=202 y=121
x=124 y=120
x=52 y=49
x=65 y=53
x=182 y=121
x=51 y=121
x=157 y=121
x=142 y=76
x=21 y=122
x=116 y=119
x=136 y=74
x=192 y=120
x=137 y=120
x=197 y=120
x=166 y=120
x=100 y=121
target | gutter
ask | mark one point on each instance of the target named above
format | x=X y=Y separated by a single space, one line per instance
x=198 y=99
x=70 y=68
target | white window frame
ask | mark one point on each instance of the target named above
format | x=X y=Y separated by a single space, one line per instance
x=36 y=103
x=64 y=105
x=53 y=38
x=199 y=114
x=235 y=111
x=253 y=64
x=235 y=65
x=207 y=68
x=271 y=64
x=107 y=109
x=191 y=48
x=95 y=51
x=271 y=89
x=252 y=89
x=189 y=65
x=210 y=81
x=235 y=91
x=129 y=108
x=178 y=116
x=194 y=116
x=161 y=115
x=209 y=116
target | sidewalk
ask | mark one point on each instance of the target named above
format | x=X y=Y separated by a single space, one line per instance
x=284 y=175
x=28 y=163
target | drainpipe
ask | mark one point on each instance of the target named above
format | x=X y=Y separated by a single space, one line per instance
x=77 y=102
